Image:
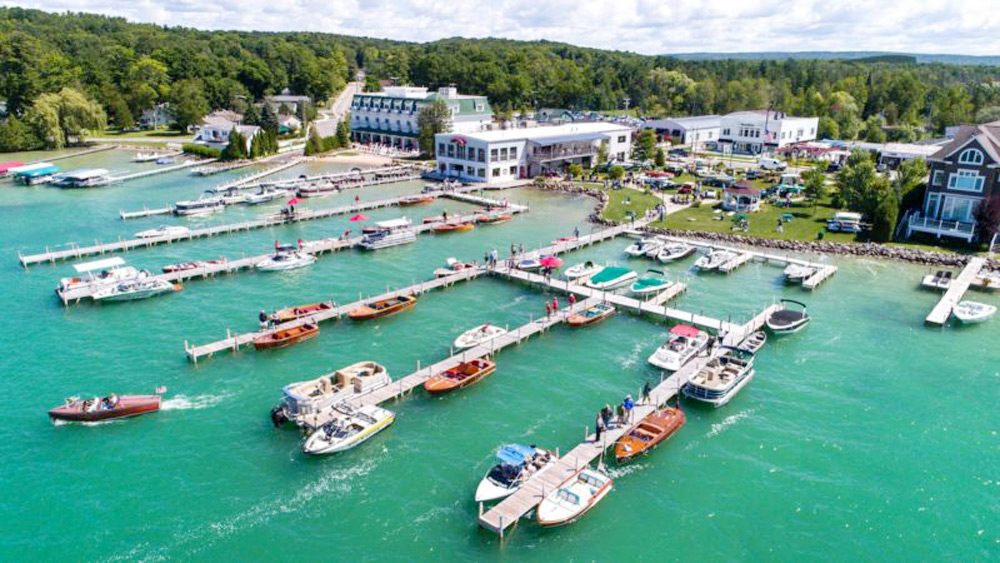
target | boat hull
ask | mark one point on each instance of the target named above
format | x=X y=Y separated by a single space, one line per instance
x=442 y=383
x=724 y=399
x=666 y=422
x=367 y=312
x=580 y=320
x=353 y=441
x=287 y=337
x=546 y=522
x=129 y=406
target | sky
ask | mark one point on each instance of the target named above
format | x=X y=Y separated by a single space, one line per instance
x=968 y=27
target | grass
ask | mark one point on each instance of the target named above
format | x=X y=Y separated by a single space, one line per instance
x=139 y=134
x=620 y=202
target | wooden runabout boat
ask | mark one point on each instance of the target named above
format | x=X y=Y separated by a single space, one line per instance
x=591 y=315
x=105 y=408
x=493 y=217
x=286 y=336
x=171 y=268
x=462 y=375
x=292 y=313
x=573 y=498
x=416 y=200
x=453 y=227
x=383 y=308
x=655 y=428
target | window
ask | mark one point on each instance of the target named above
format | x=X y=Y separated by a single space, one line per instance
x=496 y=172
x=958 y=209
x=493 y=154
x=482 y=155
x=503 y=153
x=481 y=172
x=938 y=178
x=513 y=170
x=965 y=181
x=931 y=208
x=725 y=132
x=441 y=149
x=513 y=153
x=621 y=139
x=479 y=107
x=710 y=135
x=970 y=156
x=451 y=150
x=460 y=152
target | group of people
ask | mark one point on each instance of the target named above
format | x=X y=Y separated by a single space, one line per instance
x=552 y=307
x=608 y=418
x=491 y=258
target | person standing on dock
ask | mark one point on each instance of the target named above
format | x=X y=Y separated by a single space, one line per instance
x=548 y=309
x=621 y=414
x=606 y=415
x=555 y=304
x=629 y=404
x=572 y=299
x=357 y=200
x=646 y=390
x=576 y=232
x=599 y=426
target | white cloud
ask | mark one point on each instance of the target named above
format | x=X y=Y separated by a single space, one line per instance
x=645 y=26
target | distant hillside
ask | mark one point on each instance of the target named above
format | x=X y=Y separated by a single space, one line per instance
x=868 y=56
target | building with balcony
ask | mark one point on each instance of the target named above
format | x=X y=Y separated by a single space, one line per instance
x=511 y=154
x=390 y=117
x=762 y=131
x=962 y=174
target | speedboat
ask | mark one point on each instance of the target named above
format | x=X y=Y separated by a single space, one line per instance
x=721 y=378
x=453 y=265
x=135 y=289
x=168 y=231
x=318 y=189
x=787 y=320
x=588 y=268
x=233 y=196
x=714 y=259
x=171 y=268
x=516 y=463
x=348 y=430
x=106 y=408
x=655 y=428
x=528 y=264
x=207 y=204
x=461 y=376
x=674 y=251
x=303 y=400
x=286 y=336
x=573 y=498
x=643 y=247
x=988 y=279
x=754 y=342
x=300 y=311
x=416 y=200
x=797 y=273
x=591 y=315
x=610 y=278
x=99 y=273
x=383 y=308
x=453 y=227
x=493 y=217
x=684 y=343
x=285 y=258
x=165 y=160
x=650 y=283
x=266 y=194
x=479 y=335
x=145 y=157
x=973 y=312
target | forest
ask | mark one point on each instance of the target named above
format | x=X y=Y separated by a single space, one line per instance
x=125 y=68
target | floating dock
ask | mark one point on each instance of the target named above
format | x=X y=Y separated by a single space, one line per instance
x=146 y=212
x=156 y=171
x=393 y=174
x=956 y=290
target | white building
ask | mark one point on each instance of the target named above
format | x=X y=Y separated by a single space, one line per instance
x=216 y=126
x=696 y=132
x=510 y=154
x=762 y=131
x=390 y=117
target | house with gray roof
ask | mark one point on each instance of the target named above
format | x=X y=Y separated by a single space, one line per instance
x=696 y=131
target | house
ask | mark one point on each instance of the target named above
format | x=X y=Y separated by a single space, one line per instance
x=554 y=115
x=741 y=197
x=156 y=116
x=503 y=155
x=962 y=174
x=390 y=117
x=216 y=126
x=290 y=101
x=760 y=131
x=697 y=132
x=288 y=124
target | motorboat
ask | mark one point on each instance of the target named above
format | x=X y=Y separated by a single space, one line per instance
x=207 y=204
x=383 y=308
x=99 y=273
x=797 y=273
x=453 y=266
x=684 y=343
x=591 y=315
x=652 y=282
x=145 y=157
x=266 y=194
x=348 y=430
x=528 y=264
x=673 y=251
x=573 y=498
x=970 y=312
x=233 y=196
x=165 y=231
x=516 y=463
x=318 y=189
x=303 y=400
x=714 y=259
x=454 y=227
x=754 y=342
x=416 y=200
x=583 y=270
x=300 y=311
x=285 y=257
x=643 y=247
x=105 y=408
x=610 y=277
x=286 y=336
x=658 y=426
x=135 y=289
x=791 y=317
x=461 y=376
x=388 y=233
x=165 y=160
x=492 y=217
x=721 y=378
x=940 y=280
x=479 y=335
x=183 y=266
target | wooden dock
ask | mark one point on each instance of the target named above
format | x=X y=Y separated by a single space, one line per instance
x=99 y=148
x=248 y=181
x=146 y=212
x=156 y=171
x=942 y=311
x=736 y=262
x=394 y=173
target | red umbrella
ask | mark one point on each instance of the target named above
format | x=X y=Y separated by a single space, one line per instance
x=359 y=217
x=685 y=330
x=294 y=201
x=551 y=262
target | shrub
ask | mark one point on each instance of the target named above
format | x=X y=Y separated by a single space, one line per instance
x=200 y=150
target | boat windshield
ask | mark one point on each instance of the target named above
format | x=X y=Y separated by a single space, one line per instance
x=504 y=474
x=567 y=496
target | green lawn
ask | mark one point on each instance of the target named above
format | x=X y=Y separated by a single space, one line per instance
x=622 y=201
x=139 y=134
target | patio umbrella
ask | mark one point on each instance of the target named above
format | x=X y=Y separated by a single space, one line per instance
x=551 y=262
x=294 y=201
x=358 y=217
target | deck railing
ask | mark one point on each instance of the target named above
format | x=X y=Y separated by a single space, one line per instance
x=926 y=224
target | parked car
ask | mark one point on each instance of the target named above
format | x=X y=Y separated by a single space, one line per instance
x=772 y=164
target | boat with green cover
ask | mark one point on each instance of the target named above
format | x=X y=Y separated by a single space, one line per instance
x=653 y=282
x=611 y=277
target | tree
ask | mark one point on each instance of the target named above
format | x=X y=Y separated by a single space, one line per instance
x=616 y=172
x=268 y=119
x=988 y=114
x=860 y=186
x=187 y=103
x=951 y=107
x=59 y=116
x=884 y=216
x=828 y=128
x=845 y=111
x=872 y=130
x=988 y=217
x=433 y=118
x=815 y=186
x=20 y=63
x=314 y=145
x=661 y=158
x=602 y=153
x=16 y=135
x=646 y=143
x=237 y=147
x=574 y=170
x=251 y=116
x=909 y=177
x=344 y=132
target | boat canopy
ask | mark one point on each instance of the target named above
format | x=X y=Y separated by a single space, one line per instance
x=7 y=166
x=38 y=172
x=685 y=330
x=85 y=174
x=515 y=454
x=99 y=264
x=27 y=167
x=393 y=223
x=609 y=273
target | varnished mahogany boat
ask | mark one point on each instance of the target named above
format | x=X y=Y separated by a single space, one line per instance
x=416 y=200
x=655 y=428
x=106 y=408
x=383 y=308
x=591 y=315
x=462 y=375
x=291 y=313
x=286 y=336
x=453 y=227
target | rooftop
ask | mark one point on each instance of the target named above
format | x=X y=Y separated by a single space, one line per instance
x=569 y=130
x=986 y=134
x=692 y=122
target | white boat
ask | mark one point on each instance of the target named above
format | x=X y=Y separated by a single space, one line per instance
x=476 y=336
x=304 y=400
x=653 y=282
x=319 y=188
x=797 y=273
x=721 y=378
x=233 y=196
x=165 y=160
x=610 y=278
x=787 y=320
x=988 y=279
x=135 y=289
x=85 y=178
x=970 y=312
x=145 y=157
x=350 y=428
x=754 y=342
x=453 y=266
x=714 y=259
x=684 y=343
x=99 y=273
x=393 y=232
x=266 y=194
x=285 y=258
x=940 y=280
x=573 y=498
x=164 y=231
x=207 y=204
x=528 y=264
x=674 y=251
x=583 y=270
x=643 y=247
x=515 y=464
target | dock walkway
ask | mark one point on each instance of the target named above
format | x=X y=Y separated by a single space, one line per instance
x=158 y=170
x=956 y=290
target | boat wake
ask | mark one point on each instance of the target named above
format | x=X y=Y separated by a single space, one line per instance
x=729 y=421
x=621 y=471
x=183 y=402
x=516 y=302
x=632 y=358
x=85 y=423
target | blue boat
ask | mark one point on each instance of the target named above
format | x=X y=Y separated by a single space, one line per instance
x=515 y=464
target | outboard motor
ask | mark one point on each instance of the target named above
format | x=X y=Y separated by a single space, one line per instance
x=278 y=417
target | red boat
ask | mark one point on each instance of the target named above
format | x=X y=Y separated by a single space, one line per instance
x=460 y=376
x=655 y=428
x=289 y=314
x=286 y=336
x=171 y=268
x=106 y=408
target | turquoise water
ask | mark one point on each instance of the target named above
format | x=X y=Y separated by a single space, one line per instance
x=866 y=436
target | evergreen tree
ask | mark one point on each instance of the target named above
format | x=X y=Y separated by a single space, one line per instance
x=237 y=147
x=314 y=145
x=251 y=116
x=268 y=119
x=661 y=158
x=344 y=132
